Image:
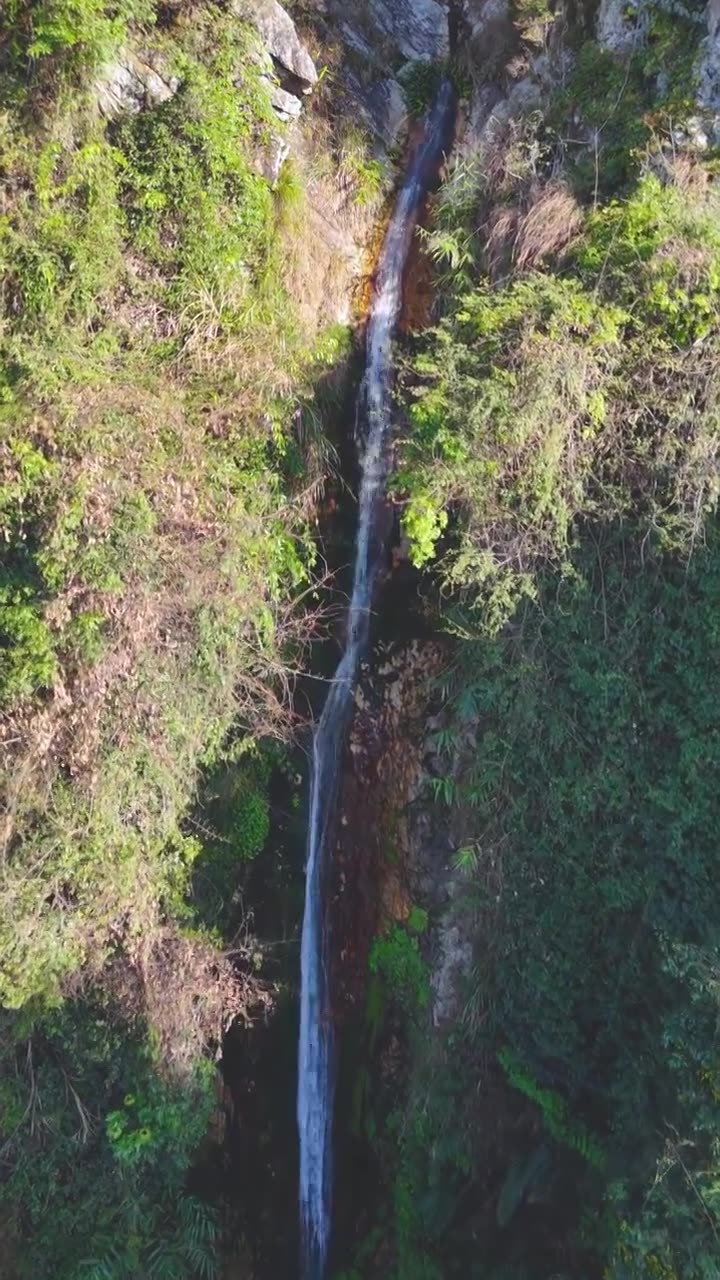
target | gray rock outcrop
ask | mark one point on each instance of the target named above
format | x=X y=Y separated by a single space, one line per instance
x=621 y=27
x=419 y=29
x=384 y=110
x=133 y=81
x=709 y=68
x=279 y=35
x=285 y=105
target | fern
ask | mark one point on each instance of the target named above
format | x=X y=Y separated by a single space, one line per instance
x=555 y=1111
x=466 y=860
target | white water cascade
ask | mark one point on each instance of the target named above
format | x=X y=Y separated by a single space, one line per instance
x=316 y=1066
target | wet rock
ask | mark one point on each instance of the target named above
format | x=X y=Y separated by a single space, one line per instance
x=419 y=28
x=279 y=35
x=452 y=966
x=133 y=82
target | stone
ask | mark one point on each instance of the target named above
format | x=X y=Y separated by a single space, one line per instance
x=285 y=105
x=451 y=969
x=279 y=35
x=418 y=28
x=132 y=82
x=380 y=109
x=387 y=109
x=709 y=68
x=482 y=16
x=696 y=132
x=491 y=113
x=354 y=40
x=271 y=156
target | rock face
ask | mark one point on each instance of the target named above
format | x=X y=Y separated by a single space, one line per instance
x=395 y=847
x=383 y=109
x=480 y=14
x=491 y=113
x=709 y=69
x=288 y=70
x=280 y=38
x=419 y=29
x=489 y=26
x=453 y=962
x=621 y=26
x=134 y=81
x=386 y=103
x=270 y=158
x=285 y=105
x=380 y=36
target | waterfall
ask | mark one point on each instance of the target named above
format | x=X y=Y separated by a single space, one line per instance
x=316 y=1078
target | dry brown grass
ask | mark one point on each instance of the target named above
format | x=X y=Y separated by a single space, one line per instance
x=501 y=233
x=182 y=988
x=687 y=174
x=525 y=234
x=187 y=992
x=552 y=221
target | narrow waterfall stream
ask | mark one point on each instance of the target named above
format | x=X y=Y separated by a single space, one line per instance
x=316 y=1074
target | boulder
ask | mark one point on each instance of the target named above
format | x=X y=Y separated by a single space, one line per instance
x=285 y=105
x=271 y=156
x=387 y=112
x=277 y=31
x=133 y=81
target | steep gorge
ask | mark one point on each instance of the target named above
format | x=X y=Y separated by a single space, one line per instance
x=520 y=882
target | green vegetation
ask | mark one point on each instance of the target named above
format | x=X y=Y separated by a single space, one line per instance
x=396 y=959
x=619 y=104
x=99 y=1145
x=56 y=42
x=420 y=82
x=150 y=546
x=582 y=393
x=591 y=795
x=364 y=175
x=560 y=480
x=532 y=19
x=153 y=514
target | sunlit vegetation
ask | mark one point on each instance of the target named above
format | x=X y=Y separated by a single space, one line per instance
x=589 y=391
x=560 y=481
x=154 y=526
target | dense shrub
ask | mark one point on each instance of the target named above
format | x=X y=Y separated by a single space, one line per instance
x=560 y=468
x=44 y=44
x=556 y=397
x=154 y=543
x=592 y=780
x=90 y=1128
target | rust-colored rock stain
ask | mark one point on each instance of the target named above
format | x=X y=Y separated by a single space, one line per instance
x=381 y=779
